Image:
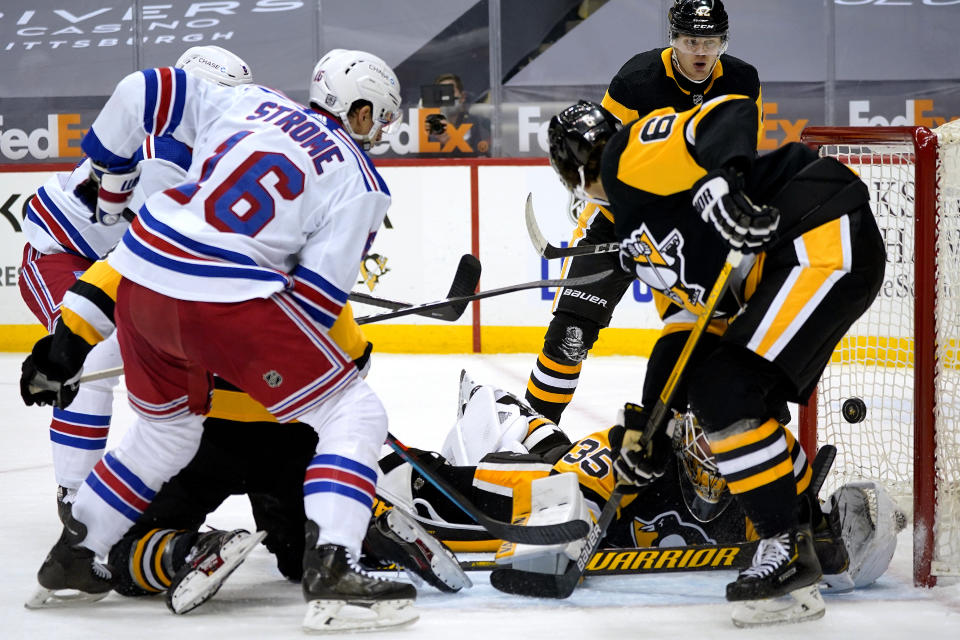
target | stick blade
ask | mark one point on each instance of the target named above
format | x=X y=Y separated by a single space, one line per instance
x=533 y=229
x=534 y=585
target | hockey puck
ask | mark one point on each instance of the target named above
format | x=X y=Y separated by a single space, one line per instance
x=854 y=410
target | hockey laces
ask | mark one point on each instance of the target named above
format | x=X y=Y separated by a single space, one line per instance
x=770 y=554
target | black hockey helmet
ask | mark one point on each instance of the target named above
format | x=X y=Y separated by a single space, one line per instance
x=576 y=137
x=702 y=18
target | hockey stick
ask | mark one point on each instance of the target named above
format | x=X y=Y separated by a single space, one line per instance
x=103 y=374
x=536 y=284
x=640 y=560
x=539 y=534
x=550 y=251
x=562 y=585
x=464 y=283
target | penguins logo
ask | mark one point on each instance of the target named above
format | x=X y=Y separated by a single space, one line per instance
x=668 y=530
x=661 y=266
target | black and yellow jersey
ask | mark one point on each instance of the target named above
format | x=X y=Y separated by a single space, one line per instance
x=649 y=167
x=647 y=171
x=648 y=81
x=657 y=516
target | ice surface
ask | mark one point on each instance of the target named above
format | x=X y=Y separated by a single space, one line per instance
x=420 y=394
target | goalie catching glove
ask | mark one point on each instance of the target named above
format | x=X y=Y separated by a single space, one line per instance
x=638 y=465
x=719 y=199
x=106 y=193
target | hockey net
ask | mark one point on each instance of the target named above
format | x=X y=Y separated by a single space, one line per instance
x=900 y=358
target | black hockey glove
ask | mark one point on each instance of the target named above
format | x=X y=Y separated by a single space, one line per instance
x=363 y=362
x=45 y=382
x=637 y=465
x=719 y=199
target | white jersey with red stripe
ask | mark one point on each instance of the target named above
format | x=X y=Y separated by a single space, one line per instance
x=58 y=221
x=278 y=196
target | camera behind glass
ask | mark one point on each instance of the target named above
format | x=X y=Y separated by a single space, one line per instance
x=436 y=123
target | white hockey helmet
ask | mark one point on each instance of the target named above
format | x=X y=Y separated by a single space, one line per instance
x=215 y=64
x=344 y=76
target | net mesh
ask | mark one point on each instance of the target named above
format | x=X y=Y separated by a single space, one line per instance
x=874 y=361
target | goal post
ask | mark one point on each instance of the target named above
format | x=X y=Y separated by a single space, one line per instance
x=900 y=358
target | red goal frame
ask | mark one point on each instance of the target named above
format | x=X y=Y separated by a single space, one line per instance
x=925 y=150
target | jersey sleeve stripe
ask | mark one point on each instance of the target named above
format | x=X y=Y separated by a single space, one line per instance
x=92 y=146
x=51 y=218
x=180 y=98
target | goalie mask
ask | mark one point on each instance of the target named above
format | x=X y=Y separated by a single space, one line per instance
x=577 y=136
x=344 y=77
x=704 y=489
x=216 y=65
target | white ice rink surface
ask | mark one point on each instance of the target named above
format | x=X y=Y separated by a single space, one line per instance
x=420 y=395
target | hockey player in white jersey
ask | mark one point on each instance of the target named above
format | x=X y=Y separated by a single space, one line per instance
x=241 y=269
x=63 y=239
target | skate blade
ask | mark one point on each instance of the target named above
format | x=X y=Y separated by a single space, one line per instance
x=445 y=568
x=198 y=587
x=44 y=598
x=332 y=616
x=800 y=605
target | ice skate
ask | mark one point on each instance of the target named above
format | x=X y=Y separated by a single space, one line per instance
x=214 y=556
x=781 y=584
x=65 y=498
x=467 y=386
x=395 y=537
x=342 y=597
x=70 y=574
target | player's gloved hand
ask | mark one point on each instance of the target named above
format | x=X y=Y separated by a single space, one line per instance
x=633 y=251
x=112 y=192
x=719 y=199
x=45 y=382
x=638 y=466
x=363 y=362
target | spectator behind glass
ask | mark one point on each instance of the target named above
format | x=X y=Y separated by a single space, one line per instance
x=454 y=128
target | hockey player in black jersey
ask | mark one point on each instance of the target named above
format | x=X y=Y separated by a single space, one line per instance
x=693 y=69
x=813 y=262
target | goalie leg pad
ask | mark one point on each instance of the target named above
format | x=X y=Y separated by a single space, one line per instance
x=869 y=522
x=553 y=499
x=485 y=426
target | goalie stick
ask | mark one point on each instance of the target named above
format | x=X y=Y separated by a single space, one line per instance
x=465 y=282
x=550 y=251
x=537 y=534
x=536 y=284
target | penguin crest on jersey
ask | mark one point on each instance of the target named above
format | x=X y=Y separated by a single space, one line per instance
x=662 y=268
x=668 y=530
